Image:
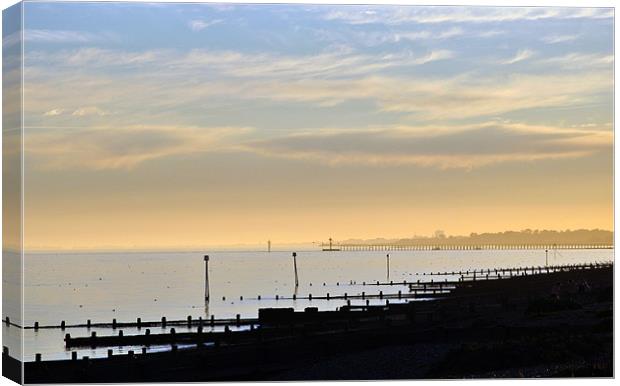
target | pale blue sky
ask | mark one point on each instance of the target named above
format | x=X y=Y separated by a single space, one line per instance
x=317 y=99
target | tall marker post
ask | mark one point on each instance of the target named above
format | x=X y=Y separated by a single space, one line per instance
x=295 y=266
x=206 y=278
x=388 y=266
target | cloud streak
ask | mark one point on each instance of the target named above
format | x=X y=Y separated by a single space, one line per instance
x=66 y=36
x=198 y=24
x=431 y=15
x=520 y=56
x=450 y=98
x=122 y=148
x=580 y=61
x=554 y=39
x=338 y=62
x=306 y=81
x=441 y=147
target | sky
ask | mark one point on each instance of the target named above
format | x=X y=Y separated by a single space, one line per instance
x=185 y=125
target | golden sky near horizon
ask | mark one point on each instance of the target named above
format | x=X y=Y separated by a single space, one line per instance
x=363 y=122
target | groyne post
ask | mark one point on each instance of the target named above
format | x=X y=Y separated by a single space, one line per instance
x=206 y=258
x=295 y=267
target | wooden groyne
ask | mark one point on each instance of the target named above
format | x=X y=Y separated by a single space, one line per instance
x=271 y=323
x=510 y=312
x=423 y=288
x=163 y=322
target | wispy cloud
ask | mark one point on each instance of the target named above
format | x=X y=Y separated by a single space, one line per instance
x=199 y=25
x=520 y=56
x=449 y=98
x=338 y=63
x=89 y=110
x=341 y=61
x=579 y=60
x=490 y=33
x=54 y=112
x=11 y=39
x=401 y=15
x=426 y=34
x=122 y=148
x=66 y=36
x=554 y=39
x=163 y=81
x=461 y=147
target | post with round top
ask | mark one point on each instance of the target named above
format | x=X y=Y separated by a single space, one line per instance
x=295 y=267
x=206 y=258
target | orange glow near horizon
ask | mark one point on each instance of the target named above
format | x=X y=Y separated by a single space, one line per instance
x=355 y=125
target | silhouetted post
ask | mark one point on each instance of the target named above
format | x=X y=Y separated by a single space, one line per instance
x=388 y=266
x=546 y=257
x=295 y=266
x=206 y=278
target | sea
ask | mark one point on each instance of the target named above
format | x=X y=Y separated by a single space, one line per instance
x=75 y=287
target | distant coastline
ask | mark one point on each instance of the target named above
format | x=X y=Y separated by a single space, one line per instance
x=579 y=236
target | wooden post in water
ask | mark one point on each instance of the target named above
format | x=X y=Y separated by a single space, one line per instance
x=295 y=266
x=206 y=278
x=388 y=266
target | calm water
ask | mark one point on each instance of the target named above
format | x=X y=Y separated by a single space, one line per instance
x=124 y=286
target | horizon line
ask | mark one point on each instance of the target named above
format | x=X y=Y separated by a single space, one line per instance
x=255 y=246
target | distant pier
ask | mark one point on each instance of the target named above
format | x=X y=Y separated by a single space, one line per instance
x=457 y=247
x=330 y=247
